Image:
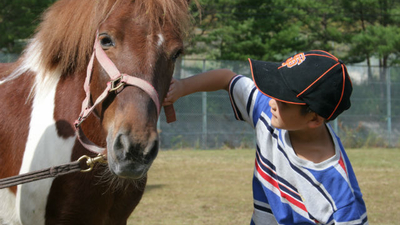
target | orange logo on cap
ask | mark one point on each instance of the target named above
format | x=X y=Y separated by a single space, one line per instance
x=295 y=60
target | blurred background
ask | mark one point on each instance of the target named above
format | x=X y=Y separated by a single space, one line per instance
x=364 y=34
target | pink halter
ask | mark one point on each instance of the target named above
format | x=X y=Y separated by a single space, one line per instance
x=118 y=80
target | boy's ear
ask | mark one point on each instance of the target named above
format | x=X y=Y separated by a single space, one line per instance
x=315 y=120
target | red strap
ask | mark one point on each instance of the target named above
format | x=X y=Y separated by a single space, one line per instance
x=170 y=113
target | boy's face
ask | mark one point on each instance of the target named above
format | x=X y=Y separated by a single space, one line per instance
x=288 y=116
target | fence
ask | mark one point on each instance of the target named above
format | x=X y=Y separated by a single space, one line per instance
x=206 y=120
x=5 y=58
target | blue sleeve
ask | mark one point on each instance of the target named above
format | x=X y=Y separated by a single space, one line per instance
x=247 y=102
x=356 y=211
x=261 y=105
x=352 y=214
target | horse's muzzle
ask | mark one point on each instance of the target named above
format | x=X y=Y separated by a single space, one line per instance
x=130 y=157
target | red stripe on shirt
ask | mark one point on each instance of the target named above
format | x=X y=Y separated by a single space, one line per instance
x=274 y=183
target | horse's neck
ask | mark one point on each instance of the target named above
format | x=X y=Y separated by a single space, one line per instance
x=69 y=96
x=6 y=69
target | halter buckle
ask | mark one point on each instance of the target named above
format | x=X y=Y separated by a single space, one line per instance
x=117 y=83
x=78 y=122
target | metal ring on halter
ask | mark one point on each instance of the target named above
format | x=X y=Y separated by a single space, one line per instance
x=116 y=84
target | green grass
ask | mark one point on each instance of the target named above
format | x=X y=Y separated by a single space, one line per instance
x=378 y=173
x=214 y=187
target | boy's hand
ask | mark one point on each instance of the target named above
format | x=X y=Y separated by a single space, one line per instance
x=212 y=80
x=174 y=92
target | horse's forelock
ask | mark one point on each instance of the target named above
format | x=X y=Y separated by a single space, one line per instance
x=66 y=33
x=174 y=12
x=68 y=29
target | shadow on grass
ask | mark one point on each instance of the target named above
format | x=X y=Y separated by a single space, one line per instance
x=152 y=187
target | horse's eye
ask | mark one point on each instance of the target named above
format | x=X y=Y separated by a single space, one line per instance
x=106 y=41
x=176 y=55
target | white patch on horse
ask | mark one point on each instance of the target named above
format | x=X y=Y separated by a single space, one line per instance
x=8 y=214
x=160 y=40
x=43 y=149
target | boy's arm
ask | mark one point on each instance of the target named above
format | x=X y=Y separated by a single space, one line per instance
x=212 y=80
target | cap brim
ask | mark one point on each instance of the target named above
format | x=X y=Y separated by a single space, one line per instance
x=270 y=82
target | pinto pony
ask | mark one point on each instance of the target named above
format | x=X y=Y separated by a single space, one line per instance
x=41 y=98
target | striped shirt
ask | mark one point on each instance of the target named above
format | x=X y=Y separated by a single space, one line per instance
x=288 y=189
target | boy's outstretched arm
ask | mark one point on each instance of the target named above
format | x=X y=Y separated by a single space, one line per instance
x=212 y=80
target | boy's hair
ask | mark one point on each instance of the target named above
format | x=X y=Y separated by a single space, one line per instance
x=316 y=78
x=305 y=109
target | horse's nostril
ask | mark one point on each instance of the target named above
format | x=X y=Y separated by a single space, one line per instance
x=130 y=156
x=121 y=143
x=151 y=150
x=126 y=148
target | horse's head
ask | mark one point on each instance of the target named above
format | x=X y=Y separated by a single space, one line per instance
x=143 y=44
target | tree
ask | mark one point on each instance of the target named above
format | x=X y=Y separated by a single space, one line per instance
x=354 y=30
x=373 y=32
x=18 y=20
x=241 y=29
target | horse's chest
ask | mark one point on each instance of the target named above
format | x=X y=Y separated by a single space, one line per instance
x=43 y=149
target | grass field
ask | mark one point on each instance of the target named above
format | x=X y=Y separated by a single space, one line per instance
x=214 y=187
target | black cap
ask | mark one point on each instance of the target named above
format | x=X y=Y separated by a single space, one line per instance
x=316 y=78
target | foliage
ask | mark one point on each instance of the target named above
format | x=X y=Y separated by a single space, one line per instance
x=239 y=29
x=354 y=30
x=372 y=27
x=18 y=20
x=360 y=137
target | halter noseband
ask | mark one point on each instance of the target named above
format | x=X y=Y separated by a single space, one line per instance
x=117 y=82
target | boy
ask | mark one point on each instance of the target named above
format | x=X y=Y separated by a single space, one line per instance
x=302 y=174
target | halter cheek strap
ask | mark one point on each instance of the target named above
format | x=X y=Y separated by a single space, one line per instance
x=117 y=82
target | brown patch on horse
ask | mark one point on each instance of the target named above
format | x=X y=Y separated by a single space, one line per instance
x=68 y=47
x=70 y=90
x=66 y=40
x=88 y=198
x=14 y=121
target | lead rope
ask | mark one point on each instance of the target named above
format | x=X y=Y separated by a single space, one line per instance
x=55 y=171
x=117 y=82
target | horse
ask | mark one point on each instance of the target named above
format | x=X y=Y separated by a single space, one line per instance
x=43 y=93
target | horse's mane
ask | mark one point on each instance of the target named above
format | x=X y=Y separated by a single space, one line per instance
x=67 y=32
